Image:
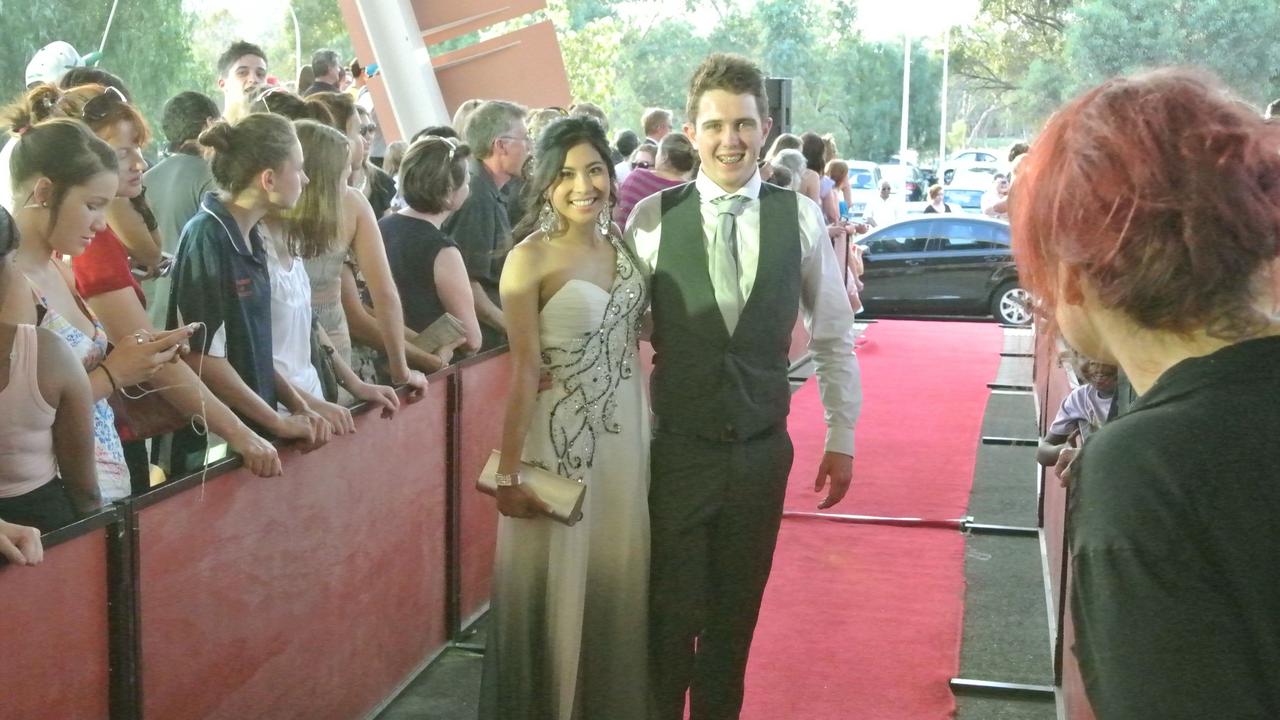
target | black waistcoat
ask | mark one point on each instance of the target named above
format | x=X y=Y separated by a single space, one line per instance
x=706 y=383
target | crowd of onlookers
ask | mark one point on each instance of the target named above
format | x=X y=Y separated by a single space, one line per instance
x=265 y=275
x=255 y=283
x=268 y=274
x=271 y=269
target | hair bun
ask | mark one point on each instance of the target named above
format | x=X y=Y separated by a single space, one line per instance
x=218 y=136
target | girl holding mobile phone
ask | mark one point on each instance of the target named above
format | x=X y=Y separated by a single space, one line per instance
x=102 y=278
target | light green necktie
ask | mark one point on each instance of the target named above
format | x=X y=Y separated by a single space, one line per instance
x=724 y=263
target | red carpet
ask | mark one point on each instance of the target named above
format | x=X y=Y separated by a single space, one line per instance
x=863 y=622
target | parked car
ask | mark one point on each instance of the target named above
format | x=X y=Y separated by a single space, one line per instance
x=971 y=156
x=967 y=188
x=864 y=185
x=967 y=160
x=943 y=265
x=908 y=182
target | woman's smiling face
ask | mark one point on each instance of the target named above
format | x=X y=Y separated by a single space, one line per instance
x=582 y=191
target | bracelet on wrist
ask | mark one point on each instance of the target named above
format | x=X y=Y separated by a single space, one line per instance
x=115 y=388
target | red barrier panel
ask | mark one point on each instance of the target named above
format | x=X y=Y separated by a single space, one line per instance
x=1052 y=386
x=54 y=630
x=310 y=596
x=484 y=403
x=1056 y=389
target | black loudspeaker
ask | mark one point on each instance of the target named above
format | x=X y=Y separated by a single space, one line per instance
x=779 y=92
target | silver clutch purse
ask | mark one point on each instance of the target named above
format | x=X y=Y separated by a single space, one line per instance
x=562 y=495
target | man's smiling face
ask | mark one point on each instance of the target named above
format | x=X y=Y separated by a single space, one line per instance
x=728 y=132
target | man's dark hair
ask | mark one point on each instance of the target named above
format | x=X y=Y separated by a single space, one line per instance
x=237 y=50
x=185 y=116
x=731 y=73
x=77 y=76
x=1019 y=148
x=626 y=142
x=324 y=61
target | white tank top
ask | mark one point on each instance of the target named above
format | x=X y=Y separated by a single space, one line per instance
x=291 y=323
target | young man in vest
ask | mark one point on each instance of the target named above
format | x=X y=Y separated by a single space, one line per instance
x=731 y=259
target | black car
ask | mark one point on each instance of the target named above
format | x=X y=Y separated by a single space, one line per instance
x=943 y=265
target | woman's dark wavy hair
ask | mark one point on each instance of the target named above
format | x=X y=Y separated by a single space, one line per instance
x=548 y=158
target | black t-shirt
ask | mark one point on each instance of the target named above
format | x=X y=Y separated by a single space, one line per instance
x=1174 y=513
x=412 y=247
x=221 y=280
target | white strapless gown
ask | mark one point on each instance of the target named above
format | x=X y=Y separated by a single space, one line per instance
x=568 y=624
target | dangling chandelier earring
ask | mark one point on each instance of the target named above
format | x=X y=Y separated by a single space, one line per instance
x=604 y=221
x=548 y=220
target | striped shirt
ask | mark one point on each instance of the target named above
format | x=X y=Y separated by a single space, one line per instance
x=640 y=184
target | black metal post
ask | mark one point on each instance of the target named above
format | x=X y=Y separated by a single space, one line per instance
x=124 y=621
x=453 y=507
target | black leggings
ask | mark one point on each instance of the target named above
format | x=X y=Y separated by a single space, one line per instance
x=46 y=508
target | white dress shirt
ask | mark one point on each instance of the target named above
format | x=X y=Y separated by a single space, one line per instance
x=882 y=211
x=823 y=300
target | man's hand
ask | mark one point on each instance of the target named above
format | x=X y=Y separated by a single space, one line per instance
x=1063 y=466
x=837 y=467
x=20 y=545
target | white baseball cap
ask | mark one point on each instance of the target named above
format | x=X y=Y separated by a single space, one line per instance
x=51 y=61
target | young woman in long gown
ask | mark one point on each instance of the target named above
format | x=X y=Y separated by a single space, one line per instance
x=567 y=635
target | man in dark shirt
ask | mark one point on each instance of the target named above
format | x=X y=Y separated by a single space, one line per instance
x=499 y=140
x=327 y=67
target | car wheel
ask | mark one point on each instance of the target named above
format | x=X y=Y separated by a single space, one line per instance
x=1011 y=305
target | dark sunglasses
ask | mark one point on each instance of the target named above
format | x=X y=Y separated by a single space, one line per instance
x=99 y=108
x=642 y=164
x=368 y=129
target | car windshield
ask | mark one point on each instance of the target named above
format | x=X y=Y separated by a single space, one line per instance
x=862 y=180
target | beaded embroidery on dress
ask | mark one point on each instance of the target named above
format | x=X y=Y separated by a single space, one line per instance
x=591 y=368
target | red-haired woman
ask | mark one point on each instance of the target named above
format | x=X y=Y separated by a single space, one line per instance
x=1147 y=220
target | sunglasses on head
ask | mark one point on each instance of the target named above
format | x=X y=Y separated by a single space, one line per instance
x=271 y=90
x=100 y=107
x=435 y=140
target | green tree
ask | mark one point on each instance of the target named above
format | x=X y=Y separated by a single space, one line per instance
x=1234 y=38
x=320 y=25
x=654 y=65
x=148 y=46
